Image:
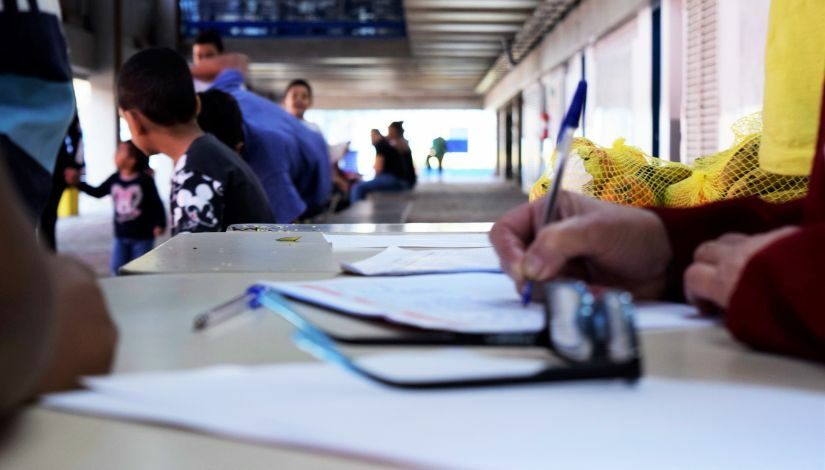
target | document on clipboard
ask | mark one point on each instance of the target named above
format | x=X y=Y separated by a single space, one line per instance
x=464 y=303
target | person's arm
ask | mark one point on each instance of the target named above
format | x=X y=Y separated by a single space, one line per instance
x=27 y=303
x=777 y=303
x=103 y=190
x=379 y=164
x=689 y=228
x=155 y=205
x=208 y=69
x=86 y=336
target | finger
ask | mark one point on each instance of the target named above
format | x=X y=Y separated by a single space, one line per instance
x=555 y=245
x=732 y=238
x=702 y=283
x=510 y=237
x=711 y=252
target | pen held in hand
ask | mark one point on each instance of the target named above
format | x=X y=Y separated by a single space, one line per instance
x=564 y=142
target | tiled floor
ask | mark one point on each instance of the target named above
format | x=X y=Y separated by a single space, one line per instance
x=456 y=199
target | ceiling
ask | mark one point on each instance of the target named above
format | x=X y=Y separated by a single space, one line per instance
x=452 y=51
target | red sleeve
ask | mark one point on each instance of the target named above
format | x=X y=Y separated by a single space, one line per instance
x=778 y=303
x=688 y=228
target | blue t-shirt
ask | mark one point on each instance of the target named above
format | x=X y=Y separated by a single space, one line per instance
x=273 y=129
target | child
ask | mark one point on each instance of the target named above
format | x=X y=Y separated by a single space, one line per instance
x=139 y=214
x=211 y=187
x=220 y=116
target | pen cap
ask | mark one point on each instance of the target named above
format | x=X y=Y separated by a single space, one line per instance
x=571 y=119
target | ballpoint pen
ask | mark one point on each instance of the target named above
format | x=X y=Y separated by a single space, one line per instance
x=563 y=143
x=229 y=309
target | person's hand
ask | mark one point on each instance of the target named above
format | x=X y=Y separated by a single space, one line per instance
x=72 y=176
x=86 y=336
x=596 y=241
x=157 y=231
x=718 y=264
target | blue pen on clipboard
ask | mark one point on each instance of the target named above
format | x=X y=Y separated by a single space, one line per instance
x=563 y=143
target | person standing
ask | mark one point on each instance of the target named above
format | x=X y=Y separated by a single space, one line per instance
x=36 y=97
x=139 y=216
x=67 y=168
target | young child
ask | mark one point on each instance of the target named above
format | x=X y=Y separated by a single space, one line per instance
x=139 y=214
x=211 y=187
x=220 y=116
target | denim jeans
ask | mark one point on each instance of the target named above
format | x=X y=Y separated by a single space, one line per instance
x=127 y=249
x=382 y=182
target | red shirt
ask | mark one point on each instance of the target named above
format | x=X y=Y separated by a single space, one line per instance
x=778 y=304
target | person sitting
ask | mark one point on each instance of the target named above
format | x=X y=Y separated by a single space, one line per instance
x=298 y=99
x=395 y=136
x=211 y=187
x=139 y=216
x=291 y=160
x=757 y=262
x=390 y=172
x=220 y=116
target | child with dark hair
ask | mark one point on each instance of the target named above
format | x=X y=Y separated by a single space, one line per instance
x=211 y=187
x=138 y=213
x=221 y=117
x=298 y=99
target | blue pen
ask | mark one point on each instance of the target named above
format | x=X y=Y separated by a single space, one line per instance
x=231 y=308
x=563 y=143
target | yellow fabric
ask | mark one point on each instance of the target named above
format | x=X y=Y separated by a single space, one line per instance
x=794 y=71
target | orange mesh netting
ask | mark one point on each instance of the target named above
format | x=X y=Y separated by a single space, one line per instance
x=626 y=175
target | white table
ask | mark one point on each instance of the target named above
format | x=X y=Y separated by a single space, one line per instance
x=154 y=314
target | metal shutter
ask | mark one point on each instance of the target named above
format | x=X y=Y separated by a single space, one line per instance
x=701 y=106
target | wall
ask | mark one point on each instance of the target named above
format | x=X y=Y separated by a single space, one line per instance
x=743 y=26
x=588 y=21
x=99 y=122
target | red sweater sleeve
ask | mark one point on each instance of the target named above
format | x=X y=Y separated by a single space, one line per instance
x=778 y=303
x=688 y=228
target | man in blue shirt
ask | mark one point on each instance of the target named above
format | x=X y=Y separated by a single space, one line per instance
x=271 y=153
x=273 y=135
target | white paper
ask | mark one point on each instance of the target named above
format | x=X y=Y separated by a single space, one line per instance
x=409 y=240
x=470 y=303
x=396 y=261
x=656 y=423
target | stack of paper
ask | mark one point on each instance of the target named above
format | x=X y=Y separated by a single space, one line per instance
x=410 y=240
x=655 y=424
x=470 y=303
x=396 y=261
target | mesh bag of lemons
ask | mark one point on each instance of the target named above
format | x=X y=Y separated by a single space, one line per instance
x=624 y=174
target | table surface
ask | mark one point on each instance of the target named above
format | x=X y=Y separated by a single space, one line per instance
x=154 y=314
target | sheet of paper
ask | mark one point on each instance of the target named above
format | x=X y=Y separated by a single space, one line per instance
x=395 y=261
x=471 y=302
x=657 y=423
x=409 y=240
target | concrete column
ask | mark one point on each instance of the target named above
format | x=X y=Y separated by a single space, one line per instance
x=100 y=126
